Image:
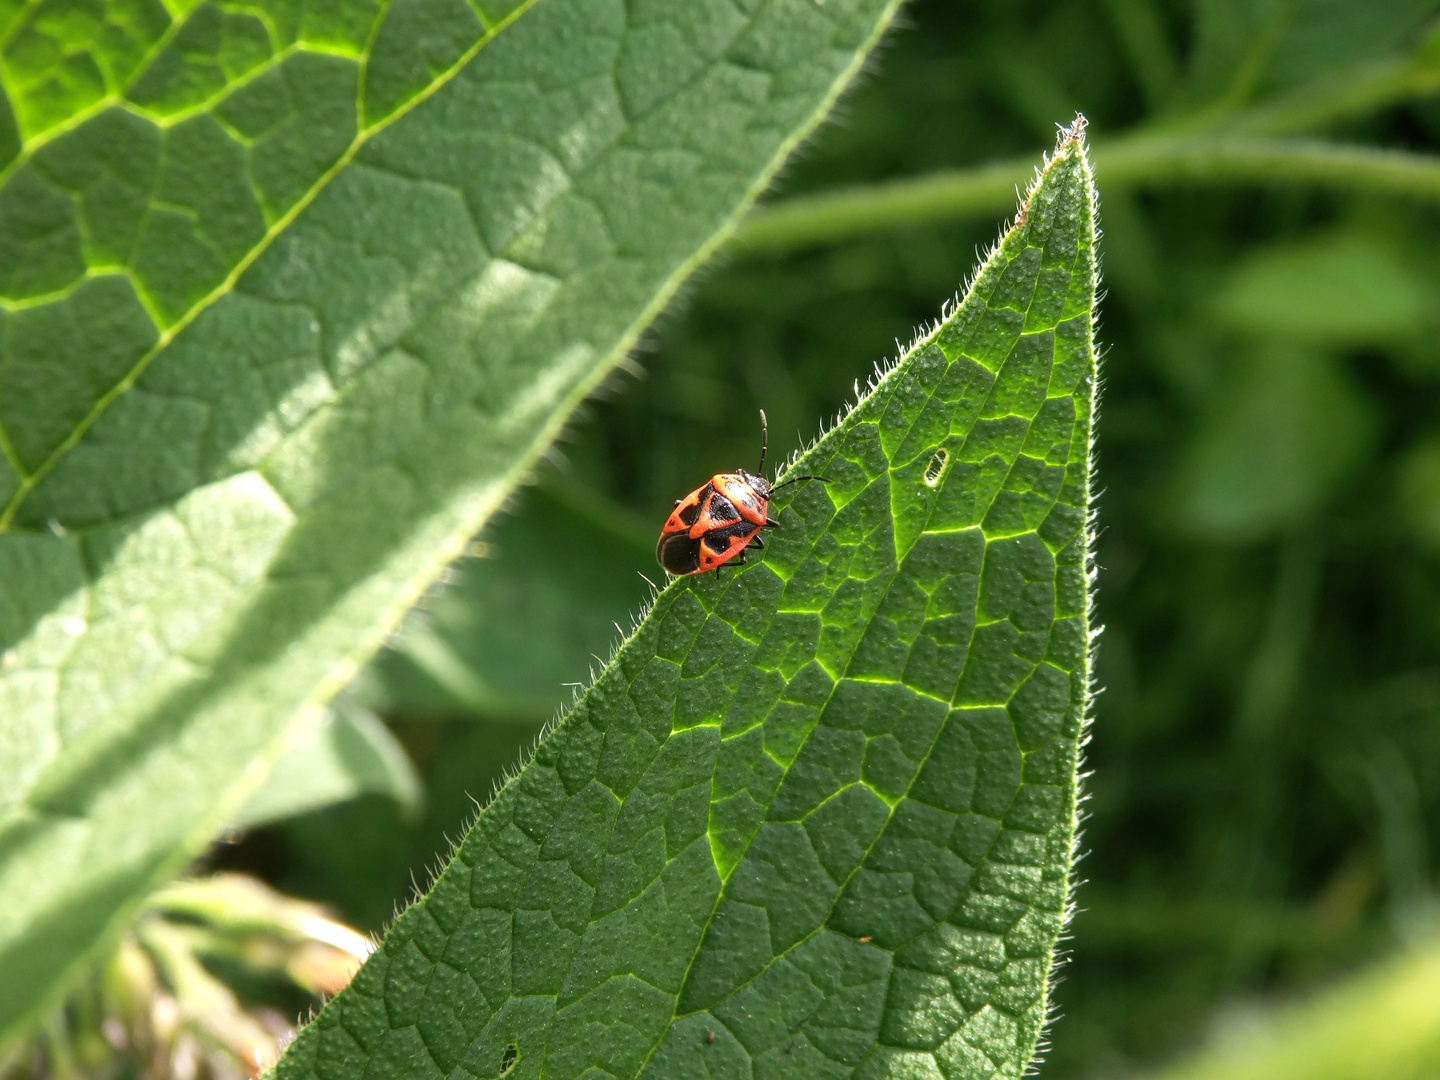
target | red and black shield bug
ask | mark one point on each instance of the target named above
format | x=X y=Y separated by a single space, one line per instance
x=720 y=521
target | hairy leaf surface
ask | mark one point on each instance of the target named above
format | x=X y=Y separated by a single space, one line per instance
x=815 y=818
x=291 y=296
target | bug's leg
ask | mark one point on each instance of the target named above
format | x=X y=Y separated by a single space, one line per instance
x=770 y=522
x=755 y=542
x=740 y=561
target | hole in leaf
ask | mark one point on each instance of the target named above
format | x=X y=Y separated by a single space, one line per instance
x=936 y=467
x=508 y=1058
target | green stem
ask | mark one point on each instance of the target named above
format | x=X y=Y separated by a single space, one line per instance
x=1148 y=161
x=834 y=215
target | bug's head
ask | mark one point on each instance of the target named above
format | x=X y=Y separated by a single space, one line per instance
x=758 y=484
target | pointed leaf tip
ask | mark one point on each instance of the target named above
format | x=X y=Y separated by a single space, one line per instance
x=816 y=817
x=1072 y=135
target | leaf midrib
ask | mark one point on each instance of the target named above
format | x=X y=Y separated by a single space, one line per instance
x=30 y=481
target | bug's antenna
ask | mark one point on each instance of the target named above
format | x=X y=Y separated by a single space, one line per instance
x=764 y=442
x=797 y=479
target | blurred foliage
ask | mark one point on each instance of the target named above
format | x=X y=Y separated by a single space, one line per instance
x=207 y=984
x=1265 y=808
x=1381 y=1025
x=502 y=634
x=349 y=754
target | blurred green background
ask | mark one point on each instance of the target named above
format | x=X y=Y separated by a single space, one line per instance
x=1264 y=810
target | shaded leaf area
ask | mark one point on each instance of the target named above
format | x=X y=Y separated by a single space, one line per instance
x=348 y=756
x=515 y=629
x=275 y=345
x=815 y=818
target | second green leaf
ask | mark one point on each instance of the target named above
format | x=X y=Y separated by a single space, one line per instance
x=815 y=819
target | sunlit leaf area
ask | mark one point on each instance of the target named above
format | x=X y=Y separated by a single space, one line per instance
x=352 y=356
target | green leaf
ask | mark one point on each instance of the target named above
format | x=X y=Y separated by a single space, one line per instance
x=815 y=819
x=1345 y=290
x=1288 y=427
x=1418 y=491
x=348 y=754
x=291 y=297
x=517 y=628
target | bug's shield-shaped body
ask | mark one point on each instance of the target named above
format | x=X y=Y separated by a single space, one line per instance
x=714 y=523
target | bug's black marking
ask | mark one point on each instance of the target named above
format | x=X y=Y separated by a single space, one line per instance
x=718 y=540
x=679 y=554
x=722 y=510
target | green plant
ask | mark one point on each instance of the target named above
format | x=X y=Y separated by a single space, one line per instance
x=954 y=528
x=293 y=299
x=1382 y=1023
x=815 y=818
x=1266 y=807
x=1265 y=814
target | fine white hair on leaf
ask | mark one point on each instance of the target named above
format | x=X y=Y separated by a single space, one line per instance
x=1073 y=135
